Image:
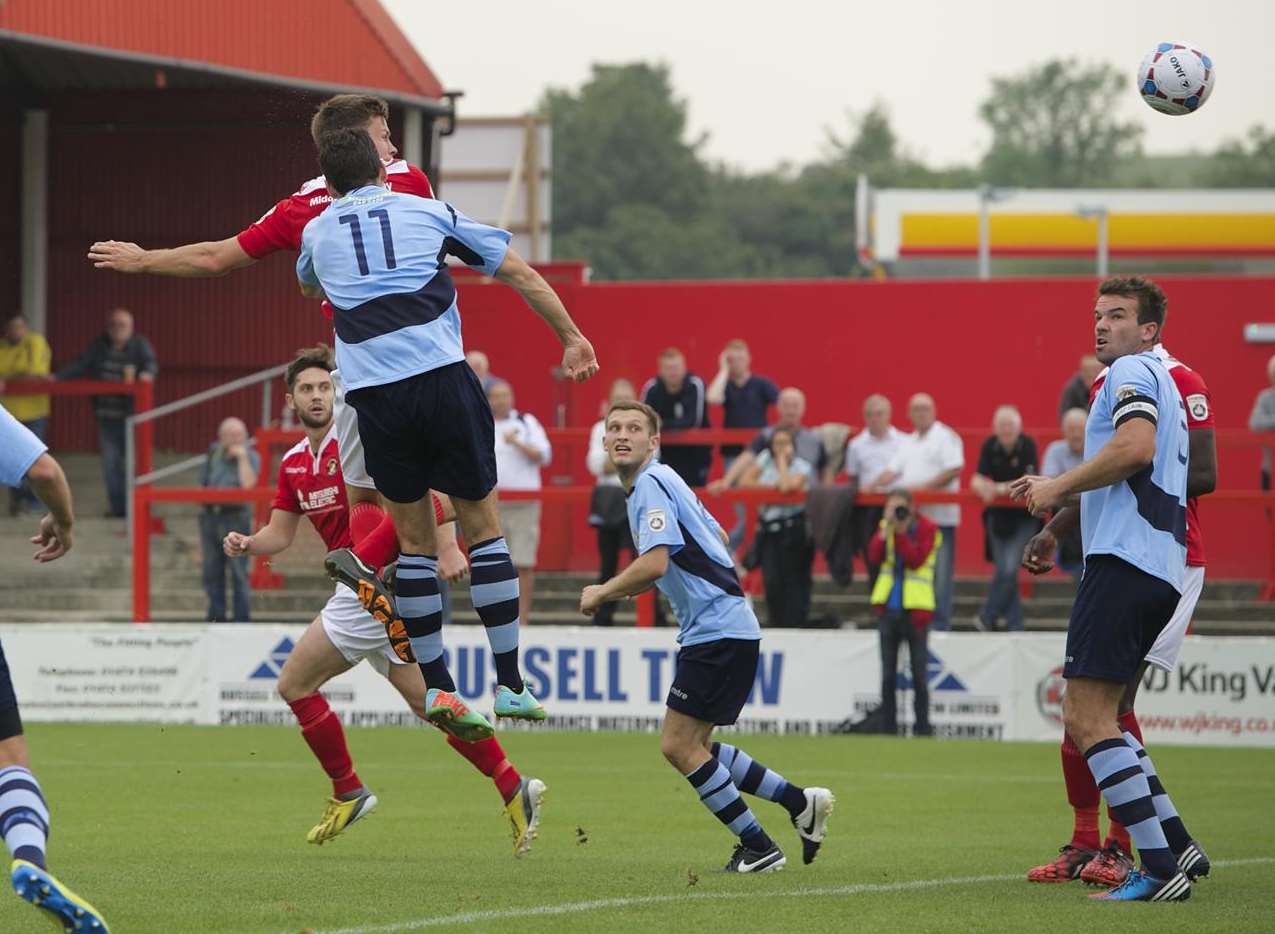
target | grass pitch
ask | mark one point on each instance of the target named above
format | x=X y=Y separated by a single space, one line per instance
x=202 y=829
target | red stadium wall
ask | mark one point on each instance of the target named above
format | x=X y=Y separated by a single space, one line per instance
x=973 y=345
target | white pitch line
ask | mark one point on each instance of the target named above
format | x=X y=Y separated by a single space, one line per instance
x=602 y=904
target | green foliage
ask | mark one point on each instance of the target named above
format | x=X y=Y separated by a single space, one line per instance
x=634 y=196
x=1237 y=165
x=1054 y=126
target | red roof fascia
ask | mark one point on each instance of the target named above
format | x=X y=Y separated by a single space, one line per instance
x=338 y=43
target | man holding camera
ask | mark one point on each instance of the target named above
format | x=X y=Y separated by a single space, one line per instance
x=906 y=546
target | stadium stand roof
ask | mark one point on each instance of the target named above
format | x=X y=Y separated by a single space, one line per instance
x=314 y=45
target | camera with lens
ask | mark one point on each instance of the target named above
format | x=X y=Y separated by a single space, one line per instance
x=901 y=513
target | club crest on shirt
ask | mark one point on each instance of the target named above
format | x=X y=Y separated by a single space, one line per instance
x=331 y=466
x=1125 y=391
x=655 y=520
x=1198 y=405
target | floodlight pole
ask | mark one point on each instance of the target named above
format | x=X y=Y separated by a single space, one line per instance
x=984 y=232
x=1102 y=216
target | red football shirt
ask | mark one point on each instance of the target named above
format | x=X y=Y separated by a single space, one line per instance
x=313 y=486
x=280 y=227
x=1199 y=414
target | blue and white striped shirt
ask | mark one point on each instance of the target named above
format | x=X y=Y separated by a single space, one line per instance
x=700 y=582
x=380 y=258
x=1141 y=519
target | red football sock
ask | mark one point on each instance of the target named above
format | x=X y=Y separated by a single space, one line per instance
x=322 y=730
x=1082 y=794
x=373 y=533
x=1116 y=832
x=488 y=757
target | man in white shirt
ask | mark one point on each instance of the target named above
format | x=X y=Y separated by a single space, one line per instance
x=522 y=449
x=931 y=458
x=868 y=455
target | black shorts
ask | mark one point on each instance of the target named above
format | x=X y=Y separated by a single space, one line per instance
x=432 y=431
x=10 y=722
x=713 y=679
x=1118 y=613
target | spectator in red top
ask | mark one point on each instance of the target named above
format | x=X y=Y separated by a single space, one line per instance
x=906 y=547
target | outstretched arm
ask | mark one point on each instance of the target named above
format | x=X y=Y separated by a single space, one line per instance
x=633 y=580
x=273 y=538
x=210 y=258
x=578 y=359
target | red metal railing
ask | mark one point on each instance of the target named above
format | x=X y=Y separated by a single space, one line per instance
x=271 y=438
x=142 y=391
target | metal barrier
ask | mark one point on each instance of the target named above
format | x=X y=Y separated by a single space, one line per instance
x=263 y=495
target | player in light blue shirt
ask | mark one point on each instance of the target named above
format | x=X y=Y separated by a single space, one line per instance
x=682 y=551
x=424 y=422
x=23 y=456
x=1132 y=488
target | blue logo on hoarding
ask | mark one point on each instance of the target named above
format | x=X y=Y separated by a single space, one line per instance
x=935 y=676
x=271 y=667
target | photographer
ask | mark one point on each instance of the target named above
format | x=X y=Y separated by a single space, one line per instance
x=906 y=546
x=783 y=546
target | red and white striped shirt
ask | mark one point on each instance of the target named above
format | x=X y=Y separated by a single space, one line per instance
x=313 y=486
x=280 y=227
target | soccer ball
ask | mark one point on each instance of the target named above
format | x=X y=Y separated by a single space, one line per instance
x=1176 y=78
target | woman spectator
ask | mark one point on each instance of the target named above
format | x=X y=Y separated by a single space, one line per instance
x=783 y=546
x=1005 y=456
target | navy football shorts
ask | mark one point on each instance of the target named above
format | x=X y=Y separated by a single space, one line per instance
x=432 y=431
x=713 y=679
x=10 y=721
x=1118 y=613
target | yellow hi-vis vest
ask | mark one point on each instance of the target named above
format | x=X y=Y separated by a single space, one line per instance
x=918 y=585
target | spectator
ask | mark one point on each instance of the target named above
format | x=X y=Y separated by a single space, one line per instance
x=24 y=354
x=607 y=511
x=1005 y=456
x=522 y=449
x=478 y=362
x=118 y=356
x=1075 y=394
x=745 y=400
x=783 y=544
x=791 y=409
x=678 y=397
x=1061 y=456
x=931 y=458
x=1262 y=418
x=868 y=455
x=906 y=547
x=231 y=464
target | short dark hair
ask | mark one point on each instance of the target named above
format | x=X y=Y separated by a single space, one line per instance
x=349 y=160
x=319 y=356
x=346 y=112
x=903 y=493
x=1153 y=307
x=652 y=416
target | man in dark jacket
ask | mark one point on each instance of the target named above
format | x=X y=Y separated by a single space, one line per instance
x=679 y=398
x=117 y=356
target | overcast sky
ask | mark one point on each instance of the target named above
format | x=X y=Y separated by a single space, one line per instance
x=765 y=81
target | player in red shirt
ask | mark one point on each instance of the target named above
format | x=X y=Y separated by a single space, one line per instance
x=1083 y=858
x=280 y=228
x=310 y=484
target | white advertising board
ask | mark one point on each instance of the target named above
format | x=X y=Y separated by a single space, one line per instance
x=982 y=686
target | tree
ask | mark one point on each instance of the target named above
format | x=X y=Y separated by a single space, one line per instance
x=1236 y=165
x=1054 y=126
x=621 y=140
